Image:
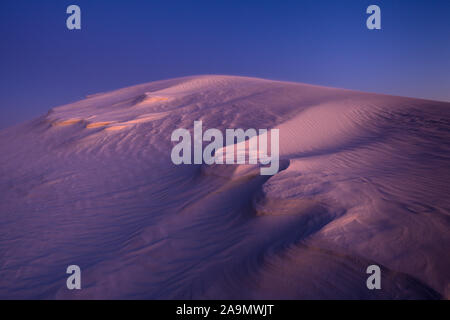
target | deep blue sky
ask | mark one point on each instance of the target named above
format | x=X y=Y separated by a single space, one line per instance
x=122 y=43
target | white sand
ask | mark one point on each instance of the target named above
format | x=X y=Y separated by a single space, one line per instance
x=366 y=181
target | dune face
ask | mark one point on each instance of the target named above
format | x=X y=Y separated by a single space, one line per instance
x=363 y=179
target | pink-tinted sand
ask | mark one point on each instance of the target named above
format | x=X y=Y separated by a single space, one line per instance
x=365 y=180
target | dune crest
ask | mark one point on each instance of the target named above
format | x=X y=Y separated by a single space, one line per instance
x=363 y=180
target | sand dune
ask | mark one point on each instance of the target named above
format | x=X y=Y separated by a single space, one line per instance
x=363 y=180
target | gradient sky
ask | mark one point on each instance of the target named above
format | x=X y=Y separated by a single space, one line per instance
x=326 y=42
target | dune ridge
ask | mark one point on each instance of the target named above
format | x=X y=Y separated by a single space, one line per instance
x=364 y=180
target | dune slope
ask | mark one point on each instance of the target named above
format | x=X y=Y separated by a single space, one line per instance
x=364 y=181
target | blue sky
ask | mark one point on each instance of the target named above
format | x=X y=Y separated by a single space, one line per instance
x=122 y=43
